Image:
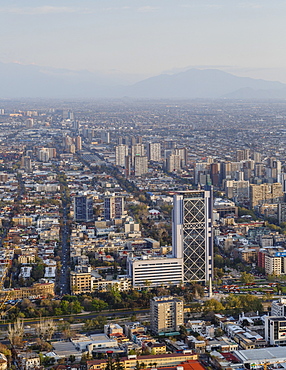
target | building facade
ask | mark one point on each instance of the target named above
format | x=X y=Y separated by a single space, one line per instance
x=113 y=207
x=266 y=193
x=154 y=271
x=121 y=151
x=154 y=152
x=193 y=233
x=140 y=165
x=275 y=330
x=167 y=314
x=83 y=208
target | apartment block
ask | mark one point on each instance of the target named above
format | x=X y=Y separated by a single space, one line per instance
x=167 y=314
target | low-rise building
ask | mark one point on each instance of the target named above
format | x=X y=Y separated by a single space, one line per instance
x=129 y=363
x=155 y=271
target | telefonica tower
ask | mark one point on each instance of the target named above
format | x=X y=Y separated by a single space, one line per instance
x=193 y=234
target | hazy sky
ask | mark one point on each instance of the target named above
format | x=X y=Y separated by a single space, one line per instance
x=144 y=37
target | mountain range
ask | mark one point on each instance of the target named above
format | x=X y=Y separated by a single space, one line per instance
x=30 y=81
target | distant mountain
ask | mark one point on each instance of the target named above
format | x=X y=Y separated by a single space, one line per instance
x=30 y=81
x=208 y=83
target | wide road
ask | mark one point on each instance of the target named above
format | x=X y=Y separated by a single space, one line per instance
x=65 y=258
x=86 y=316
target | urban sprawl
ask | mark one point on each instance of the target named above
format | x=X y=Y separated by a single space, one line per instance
x=142 y=235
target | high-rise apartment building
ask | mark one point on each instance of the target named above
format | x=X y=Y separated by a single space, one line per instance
x=113 y=207
x=265 y=193
x=154 y=152
x=105 y=137
x=67 y=141
x=80 y=282
x=173 y=163
x=242 y=155
x=30 y=122
x=167 y=314
x=137 y=149
x=140 y=165
x=192 y=233
x=257 y=157
x=258 y=170
x=215 y=173
x=237 y=190
x=78 y=143
x=128 y=165
x=281 y=212
x=183 y=153
x=83 y=208
x=121 y=151
x=44 y=155
x=26 y=163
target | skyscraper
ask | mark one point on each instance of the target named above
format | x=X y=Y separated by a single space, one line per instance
x=192 y=233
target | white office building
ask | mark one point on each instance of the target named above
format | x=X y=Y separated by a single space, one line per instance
x=275 y=330
x=278 y=308
x=155 y=271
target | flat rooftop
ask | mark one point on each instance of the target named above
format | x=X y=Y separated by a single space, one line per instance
x=269 y=354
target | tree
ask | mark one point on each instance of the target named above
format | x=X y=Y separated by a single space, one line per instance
x=197 y=289
x=38 y=271
x=213 y=305
x=218 y=332
x=246 y=278
x=137 y=366
x=245 y=303
x=219 y=261
x=109 y=364
x=218 y=273
x=45 y=329
x=16 y=332
x=183 y=331
x=76 y=307
x=118 y=365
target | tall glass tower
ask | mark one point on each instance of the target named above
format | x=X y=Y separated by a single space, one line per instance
x=193 y=234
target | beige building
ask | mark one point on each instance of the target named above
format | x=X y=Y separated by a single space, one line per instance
x=140 y=165
x=80 y=282
x=121 y=284
x=265 y=193
x=167 y=314
x=37 y=290
x=121 y=152
x=275 y=265
x=29 y=361
x=24 y=220
x=173 y=163
x=165 y=360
